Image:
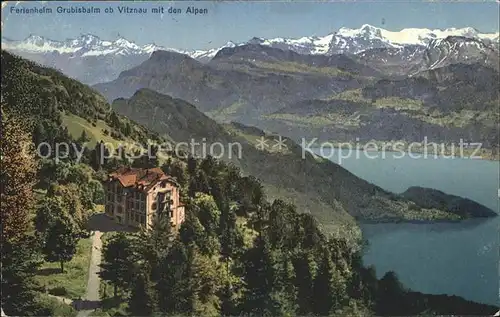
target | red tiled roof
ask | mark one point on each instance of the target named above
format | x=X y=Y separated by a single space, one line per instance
x=139 y=177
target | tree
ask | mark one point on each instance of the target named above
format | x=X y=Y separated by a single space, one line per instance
x=60 y=244
x=149 y=160
x=191 y=165
x=305 y=268
x=50 y=208
x=171 y=285
x=281 y=229
x=152 y=244
x=205 y=284
x=142 y=298
x=74 y=202
x=99 y=156
x=84 y=138
x=199 y=184
x=208 y=213
x=118 y=259
x=231 y=238
x=177 y=171
x=192 y=232
x=17 y=178
x=268 y=276
x=39 y=134
x=390 y=299
x=19 y=262
x=328 y=288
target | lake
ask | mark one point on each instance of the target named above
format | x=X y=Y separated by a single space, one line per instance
x=446 y=258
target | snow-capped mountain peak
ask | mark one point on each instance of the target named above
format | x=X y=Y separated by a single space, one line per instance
x=345 y=40
x=84 y=45
x=84 y=49
x=366 y=30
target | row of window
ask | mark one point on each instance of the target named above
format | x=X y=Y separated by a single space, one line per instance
x=136 y=217
x=130 y=215
x=136 y=205
x=109 y=210
x=118 y=190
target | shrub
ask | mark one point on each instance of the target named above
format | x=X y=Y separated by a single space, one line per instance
x=58 y=291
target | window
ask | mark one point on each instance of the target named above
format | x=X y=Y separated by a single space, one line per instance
x=120 y=209
x=153 y=206
x=136 y=217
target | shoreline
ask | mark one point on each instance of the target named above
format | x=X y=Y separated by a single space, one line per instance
x=486 y=154
x=421 y=222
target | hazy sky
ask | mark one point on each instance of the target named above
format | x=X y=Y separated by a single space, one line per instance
x=240 y=21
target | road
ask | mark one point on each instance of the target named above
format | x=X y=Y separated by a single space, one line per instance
x=91 y=300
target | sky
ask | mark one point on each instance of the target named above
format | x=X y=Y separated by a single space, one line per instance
x=239 y=21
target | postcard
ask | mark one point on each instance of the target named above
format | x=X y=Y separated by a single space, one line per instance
x=250 y=158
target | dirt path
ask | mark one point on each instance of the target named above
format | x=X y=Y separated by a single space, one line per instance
x=91 y=300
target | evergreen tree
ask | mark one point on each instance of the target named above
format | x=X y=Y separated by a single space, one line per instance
x=390 y=299
x=191 y=165
x=228 y=303
x=19 y=263
x=98 y=156
x=199 y=184
x=83 y=138
x=171 y=283
x=152 y=244
x=328 y=291
x=268 y=277
x=118 y=260
x=305 y=268
x=142 y=300
x=231 y=238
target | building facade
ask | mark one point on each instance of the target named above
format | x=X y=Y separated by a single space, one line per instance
x=136 y=196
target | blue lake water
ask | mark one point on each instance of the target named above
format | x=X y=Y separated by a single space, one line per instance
x=447 y=258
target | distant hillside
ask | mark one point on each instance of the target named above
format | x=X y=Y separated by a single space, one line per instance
x=314 y=184
x=431 y=198
x=445 y=105
x=241 y=82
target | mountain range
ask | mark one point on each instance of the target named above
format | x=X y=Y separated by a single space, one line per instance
x=440 y=95
x=92 y=60
x=364 y=84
